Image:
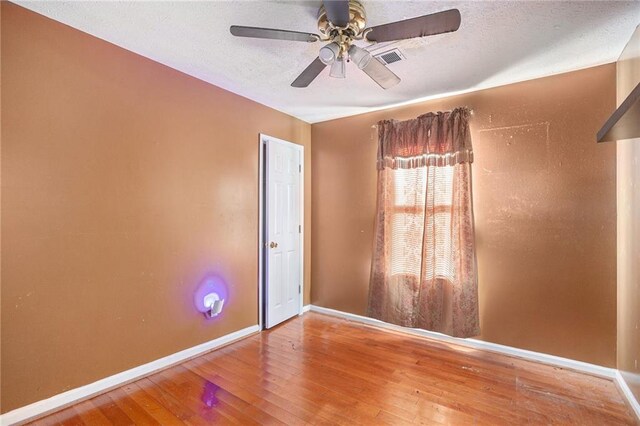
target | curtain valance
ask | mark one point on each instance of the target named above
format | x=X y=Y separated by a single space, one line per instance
x=433 y=139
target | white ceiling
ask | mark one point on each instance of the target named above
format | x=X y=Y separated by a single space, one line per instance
x=498 y=43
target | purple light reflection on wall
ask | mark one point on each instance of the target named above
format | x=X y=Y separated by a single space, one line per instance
x=210 y=284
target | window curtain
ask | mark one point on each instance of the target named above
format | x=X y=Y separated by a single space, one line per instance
x=423 y=272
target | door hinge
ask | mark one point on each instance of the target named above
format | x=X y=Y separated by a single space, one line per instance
x=299 y=289
x=299 y=229
x=300 y=168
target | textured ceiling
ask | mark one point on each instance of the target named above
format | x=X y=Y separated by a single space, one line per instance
x=498 y=43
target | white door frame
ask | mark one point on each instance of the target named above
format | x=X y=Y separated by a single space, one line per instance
x=263 y=142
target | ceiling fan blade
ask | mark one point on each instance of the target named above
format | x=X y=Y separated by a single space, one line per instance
x=309 y=74
x=337 y=12
x=274 y=34
x=422 y=26
x=381 y=74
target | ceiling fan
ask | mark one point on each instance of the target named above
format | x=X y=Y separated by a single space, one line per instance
x=341 y=22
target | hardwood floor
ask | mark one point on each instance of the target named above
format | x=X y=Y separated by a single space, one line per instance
x=317 y=369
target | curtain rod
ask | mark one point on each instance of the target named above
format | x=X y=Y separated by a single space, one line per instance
x=471 y=111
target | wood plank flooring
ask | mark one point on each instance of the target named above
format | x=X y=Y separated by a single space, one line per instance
x=316 y=369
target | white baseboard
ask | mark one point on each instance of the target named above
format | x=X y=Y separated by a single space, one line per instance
x=557 y=361
x=626 y=391
x=306 y=308
x=62 y=400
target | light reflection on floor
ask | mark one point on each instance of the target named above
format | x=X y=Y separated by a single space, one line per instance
x=209 y=394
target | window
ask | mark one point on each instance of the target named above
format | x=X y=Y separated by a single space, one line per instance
x=416 y=191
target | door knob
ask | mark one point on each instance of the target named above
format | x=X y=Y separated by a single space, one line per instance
x=273 y=245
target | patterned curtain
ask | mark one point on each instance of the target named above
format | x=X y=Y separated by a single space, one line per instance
x=423 y=273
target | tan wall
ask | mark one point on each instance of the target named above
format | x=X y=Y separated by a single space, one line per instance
x=123 y=183
x=544 y=197
x=628 y=169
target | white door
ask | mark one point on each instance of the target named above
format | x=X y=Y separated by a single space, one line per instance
x=283 y=234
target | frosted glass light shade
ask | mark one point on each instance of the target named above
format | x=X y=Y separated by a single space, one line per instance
x=359 y=56
x=338 y=68
x=329 y=53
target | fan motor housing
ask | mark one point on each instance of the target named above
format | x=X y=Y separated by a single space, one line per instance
x=355 y=28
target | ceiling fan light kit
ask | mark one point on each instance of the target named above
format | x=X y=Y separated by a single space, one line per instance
x=341 y=22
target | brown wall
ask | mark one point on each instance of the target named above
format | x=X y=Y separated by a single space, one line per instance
x=0 y=209
x=628 y=169
x=123 y=183
x=545 y=208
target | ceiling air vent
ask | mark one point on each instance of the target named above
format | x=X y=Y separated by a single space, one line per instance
x=390 y=56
